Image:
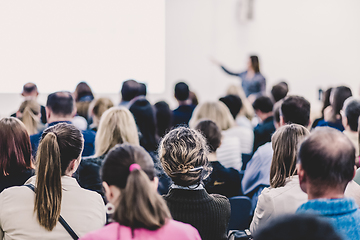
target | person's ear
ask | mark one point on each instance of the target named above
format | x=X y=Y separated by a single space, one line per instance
x=108 y=193
x=73 y=114
x=302 y=177
x=48 y=113
x=111 y=192
x=155 y=183
x=355 y=169
x=282 y=123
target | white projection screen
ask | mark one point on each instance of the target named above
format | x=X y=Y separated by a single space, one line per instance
x=56 y=44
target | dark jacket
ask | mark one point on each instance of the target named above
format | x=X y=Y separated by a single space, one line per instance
x=263 y=132
x=16 y=179
x=182 y=114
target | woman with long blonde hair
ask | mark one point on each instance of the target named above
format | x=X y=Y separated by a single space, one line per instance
x=29 y=113
x=284 y=195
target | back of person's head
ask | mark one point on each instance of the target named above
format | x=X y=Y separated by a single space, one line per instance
x=247 y=109
x=328 y=158
x=83 y=92
x=279 y=91
x=164 y=117
x=129 y=90
x=297 y=227
x=276 y=113
x=211 y=132
x=15 y=150
x=30 y=89
x=142 y=89
x=181 y=91
x=234 y=103
x=255 y=63
x=131 y=169
x=117 y=125
x=352 y=112
x=296 y=109
x=183 y=155
x=144 y=115
x=30 y=115
x=61 y=103
x=285 y=142
x=101 y=105
x=339 y=95
x=58 y=154
x=214 y=111
x=326 y=100
x=263 y=104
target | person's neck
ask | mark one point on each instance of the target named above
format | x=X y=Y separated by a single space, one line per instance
x=264 y=116
x=60 y=119
x=328 y=193
x=184 y=103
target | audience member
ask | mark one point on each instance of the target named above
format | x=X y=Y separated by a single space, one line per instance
x=279 y=91
x=83 y=97
x=30 y=92
x=27 y=214
x=326 y=102
x=263 y=107
x=164 y=117
x=284 y=195
x=97 y=108
x=29 y=113
x=297 y=227
x=142 y=89
x=233 y=102
x=183 y=113
x=229 y=153
x=193 y=98
x=117 y=125
x=129 y=90
x=183 y=154
x=16 y=164
x=224 y=181
x=326 y=166
x=138 y=211
x=60 y=107
x=350 y=117
x=332 y=117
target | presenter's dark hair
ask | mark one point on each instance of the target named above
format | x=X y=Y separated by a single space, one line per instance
x=255 y=63
x=296 y=109
x=61 y=103
x=59 y=145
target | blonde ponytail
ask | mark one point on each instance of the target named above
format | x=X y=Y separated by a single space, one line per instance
x=48 y=182
x=30 y=109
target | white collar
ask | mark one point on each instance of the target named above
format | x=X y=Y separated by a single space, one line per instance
x=191 y=187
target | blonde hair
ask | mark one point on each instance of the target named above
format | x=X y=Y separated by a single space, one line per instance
x=117 y=125
x=183 y=155
x=30 y=111
x=60 y=144
x=217 y=112
x=247 y=108
x=285 y=143
x=101 y=105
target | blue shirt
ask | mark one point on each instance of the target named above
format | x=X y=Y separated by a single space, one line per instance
x=89 y=140
x=343 y=213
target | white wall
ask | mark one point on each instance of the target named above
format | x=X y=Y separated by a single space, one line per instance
x=309 y=43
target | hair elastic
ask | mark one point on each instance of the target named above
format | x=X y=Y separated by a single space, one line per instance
x=134 y=166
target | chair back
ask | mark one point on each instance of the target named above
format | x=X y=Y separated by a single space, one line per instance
x=240 y=213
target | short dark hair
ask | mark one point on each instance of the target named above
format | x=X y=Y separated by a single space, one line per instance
x=234 y=104
x=297 y=227
x=142 y=89
x=129 y=90
x=279 y=91
x=255 y=63
x=327 y=157
x=181 y=91
x=61 y=103
x=352 y=113
x=276 y=110
x=211 y=132
x=296 y=109
x=263 y=104
x=29 y=87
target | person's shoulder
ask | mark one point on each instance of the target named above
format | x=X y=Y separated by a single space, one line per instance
x=107 y=232
x=220 y=199
x=89 y=133
x=36 y=137
x=181 y=228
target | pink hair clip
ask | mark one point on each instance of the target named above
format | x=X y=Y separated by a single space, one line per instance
x=134 y=166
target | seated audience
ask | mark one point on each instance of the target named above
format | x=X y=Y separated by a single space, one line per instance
x=325 y=97
x=183 y=154
x=30 y=92
x=117 y=125
x=326 y=166
x=29 y=113
x=97 y=108
x=164 y=117
x=279 y=91
x=138 y=211
x=284 y=195
x=83 y=97
x=224 y=181
x=60 y=107
x=263 y=107
x=350 y=116
x=34 y=214
x=129 y=90
x=229 y=153
x=297 y=227
x=16 y=164
x=183 y=113
x=332 y=116
x=233 y=102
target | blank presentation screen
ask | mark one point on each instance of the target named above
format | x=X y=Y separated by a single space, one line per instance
x=56 y=44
